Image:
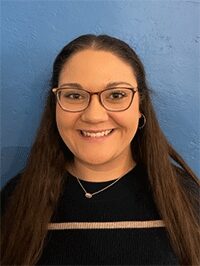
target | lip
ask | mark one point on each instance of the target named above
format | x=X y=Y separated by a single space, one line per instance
x=97 y=139
x=95 y=130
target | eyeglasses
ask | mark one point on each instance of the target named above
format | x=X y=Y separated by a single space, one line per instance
x=76 y=100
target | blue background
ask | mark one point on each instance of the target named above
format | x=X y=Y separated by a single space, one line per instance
x=164 y=33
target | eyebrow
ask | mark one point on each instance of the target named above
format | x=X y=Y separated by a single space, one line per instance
x=110 y=84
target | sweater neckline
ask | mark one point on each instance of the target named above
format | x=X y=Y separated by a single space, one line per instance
x=105 y=183
x=133 y=182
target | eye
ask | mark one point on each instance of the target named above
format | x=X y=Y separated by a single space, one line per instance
x=116 y=95
x=73 y=96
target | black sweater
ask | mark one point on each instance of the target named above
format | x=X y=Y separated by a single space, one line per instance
x=119 y=226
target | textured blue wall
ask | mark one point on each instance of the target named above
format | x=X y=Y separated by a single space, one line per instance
x=164 y=33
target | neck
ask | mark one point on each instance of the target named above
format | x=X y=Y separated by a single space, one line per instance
x=101 y=172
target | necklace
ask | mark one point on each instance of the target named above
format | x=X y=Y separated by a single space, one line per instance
x=89 y=195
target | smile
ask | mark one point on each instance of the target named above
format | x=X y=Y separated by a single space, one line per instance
x=96 y=134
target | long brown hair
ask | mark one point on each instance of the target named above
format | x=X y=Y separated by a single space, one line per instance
x=34 y=200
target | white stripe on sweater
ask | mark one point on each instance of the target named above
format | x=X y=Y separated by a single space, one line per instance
x=106 y=225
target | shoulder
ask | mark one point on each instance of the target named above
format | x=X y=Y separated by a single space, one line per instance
x=8 y=190
x=191 y=187
x=190 y=184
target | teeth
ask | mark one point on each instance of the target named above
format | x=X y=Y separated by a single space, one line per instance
x=97 y=134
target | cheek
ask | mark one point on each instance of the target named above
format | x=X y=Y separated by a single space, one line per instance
x=128 y=120
x=61 y=120
x=133 y=116
x=65 y=122
x=131 y=125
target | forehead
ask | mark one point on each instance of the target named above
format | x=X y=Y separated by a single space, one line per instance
x=96 y=68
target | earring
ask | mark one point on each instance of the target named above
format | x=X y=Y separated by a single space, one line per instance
x=144 y=121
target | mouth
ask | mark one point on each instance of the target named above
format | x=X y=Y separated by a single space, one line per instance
x=96 y=134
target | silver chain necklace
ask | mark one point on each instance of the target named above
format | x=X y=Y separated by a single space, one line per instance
x=89 y=195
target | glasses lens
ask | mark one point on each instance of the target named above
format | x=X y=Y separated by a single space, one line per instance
x=117 y=99
x=73 y=99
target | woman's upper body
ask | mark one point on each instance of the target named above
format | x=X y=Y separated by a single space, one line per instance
x=118 y=226
x=98 y=125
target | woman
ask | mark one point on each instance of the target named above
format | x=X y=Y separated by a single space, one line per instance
x=102 y=185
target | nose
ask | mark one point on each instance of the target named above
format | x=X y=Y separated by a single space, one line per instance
x=95 y=112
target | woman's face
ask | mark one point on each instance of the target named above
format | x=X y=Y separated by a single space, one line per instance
x=94 y=70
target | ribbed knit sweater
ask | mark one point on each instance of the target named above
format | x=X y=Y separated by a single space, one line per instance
x=119 y=226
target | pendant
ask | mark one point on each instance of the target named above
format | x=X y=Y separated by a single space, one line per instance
x=88 y=195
